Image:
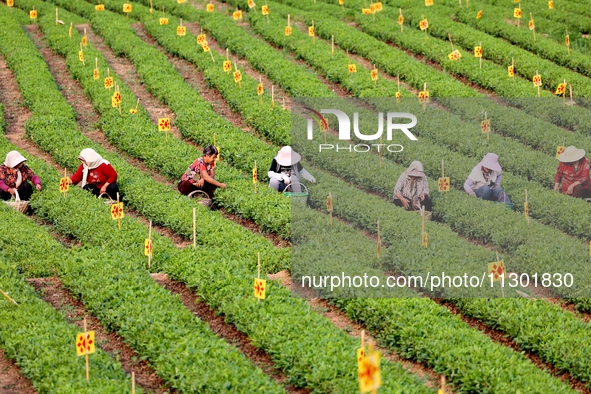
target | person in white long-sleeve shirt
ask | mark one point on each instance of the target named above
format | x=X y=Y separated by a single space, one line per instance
x=286 y=170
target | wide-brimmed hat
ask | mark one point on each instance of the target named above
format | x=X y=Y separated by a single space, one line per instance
x=571 y=154
x=415 y=169
x=491 y=161
x=13 y=159
x=287 y=157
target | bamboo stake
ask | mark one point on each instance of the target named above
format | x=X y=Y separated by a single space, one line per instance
x=150 y=244
x=284 y=107
x=259 y=270
x=379 y=241
x=272 y=96
x=332 y=46
x=519 y=19
x=380 y=152
x=85 y=350
x=443 y=379
x=260 y=82
x=84 y=64
x=442 y=169
x=426 y=35
x=537 y=73
x=568 y=46
x=401 y=28
x=450 y=42
x=65 y=176
x=8 y=297
x=564 y=95
x=255 y=183
x=527 y=205
x=314 y=36
x=534 y=29
x=119 y=215
x=56 y=17
x=151 y=7
x=194 y=229
x=480 y=58
x=133 y=373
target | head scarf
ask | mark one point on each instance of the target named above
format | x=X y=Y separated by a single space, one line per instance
x=13 y=159
x=414 y=169
x=92 y=159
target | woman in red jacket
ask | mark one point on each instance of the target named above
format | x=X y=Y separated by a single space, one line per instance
x=96 y=174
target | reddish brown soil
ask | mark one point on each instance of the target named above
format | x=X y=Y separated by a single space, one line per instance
x=11 y=381
x=227 y=331
x=53 y=292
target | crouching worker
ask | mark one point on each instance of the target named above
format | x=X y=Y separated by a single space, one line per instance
x=485 y=180
x=286 y=170
x=412 y=189
x=200 y=175
x=573 y=173
x=96 y=174
x=15 y=176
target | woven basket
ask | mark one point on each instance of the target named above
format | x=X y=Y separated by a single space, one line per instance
x=17 y=204
x=203 y=198
x=299 y=197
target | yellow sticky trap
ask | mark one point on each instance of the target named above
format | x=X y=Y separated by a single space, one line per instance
x=477 y=51
x=443 y=184
x=511 y=71
x=265 y=10
x=551 y=5
x=96 y=74
x=374 y=74
x=209 y=7
x=99 y=7
x=485 y=126
x=360 y=357
x=559 y=150
x=398 y=97
x=400 y=19
x=368 y=372
x=84 y=41
x=227 y=65
x=237 y=15
x=567 y=40
x=85 y=343
x=537 y=80
x=33 y=14
x=70 y=32
x=127 y=8
x=425 y=241
x=116 y=99
x=64 y=185
x=260 y=89
x=10 y=3
x=531 y=25
x=378 y=6
x=205 y=47
x=251 y=4
x=560 y=89
x=288 y=30
x=311 y=31
x=148 y=247
x=455 y=55
x=260 y=288
x=526 y=209
x=163 y=124
x=428 y=3
x=479 y=14
x=366 y=11
x=117 y=211
x=181 y=31
x=254 y=175
x=163 y=21
x=237 y=76
x=352 y=68
x=81 y=56
x=517 y=13
x=133 y=111
x=108 y=82
x=497 y=269
x=201 y=38
x=423 y=96
x=424 y=24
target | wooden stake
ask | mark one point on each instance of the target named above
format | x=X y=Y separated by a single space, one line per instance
x=534 y=29
x=65 y=176
x=56 y=18
x=259 y=270
x=331 y=207
x=537 y=73
x=194 y=229
x=381 y=152
x=8 y=297
x=568 y=46
x=272 y=96
x=133 y=373
x=480 y=58
x=284 y=107
x=564 y=96
x=450 y=42
x=398 y=81
x=260 y=82
x=519 y=19
x=460 y=3
x=401 y=28
x=150 y=242
x=118 y=216
x=332 y=46
x=84 y=64
x=96 y=62
x=255 y=183
x=87 y=367
x=527 y=205
x=442 y=169
x=426 y=35
x=443 y=379
x=314 y=36
x=151 y=7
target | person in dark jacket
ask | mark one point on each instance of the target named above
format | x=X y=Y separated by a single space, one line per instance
x=286 y=170
x=15 y=176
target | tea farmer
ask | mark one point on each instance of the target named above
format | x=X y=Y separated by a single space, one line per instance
x=15 y=176
x=485 y=180
x=573 y=172
x=412 y=189
x=96 y=174
x=201 y=173
x=286 y=170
